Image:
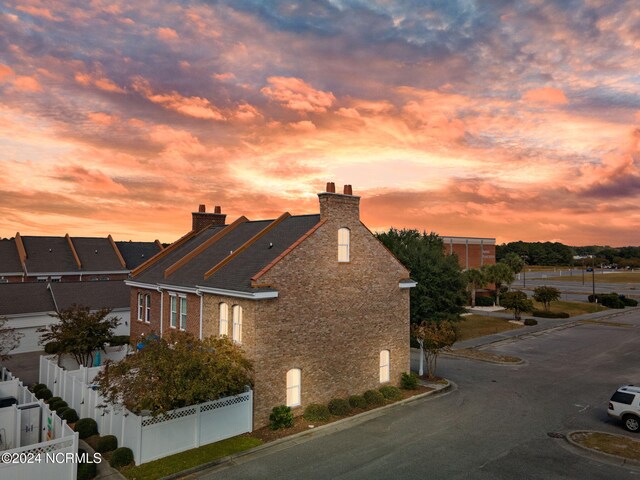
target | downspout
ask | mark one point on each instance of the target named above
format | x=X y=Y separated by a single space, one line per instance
x=161 y=309
x=200 y=294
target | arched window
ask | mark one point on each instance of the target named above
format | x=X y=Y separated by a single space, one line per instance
x=294 y=377
x=384 y=366
x=224 y=319
x=237 y=323
x=344 y=239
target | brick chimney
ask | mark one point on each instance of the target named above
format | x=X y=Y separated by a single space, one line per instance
x=341 y=206
x=201 y=219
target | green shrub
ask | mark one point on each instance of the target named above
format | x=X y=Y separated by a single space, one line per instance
x=53 y=400
x=121 y=457
x=119 y=340
x=547 y=314
x=316 y=413
x=281 y=417
x=54 y=405
x=86 y=427
x=628 y=302
x=70 y=415
x=390 y=392
x=530 y=321
x=357 y=401
x=37 y=387
x=108 y=443
x=373 y=397
x=86 y=471
x=44 y=394
x=61 y=410
x=612 y=301
x=484 y=301
x=409 y=381
x=52 y=348
x=339 y=407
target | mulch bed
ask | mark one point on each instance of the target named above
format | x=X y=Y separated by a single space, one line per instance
x=301 y=425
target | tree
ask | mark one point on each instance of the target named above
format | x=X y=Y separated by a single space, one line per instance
x=518 y=302
x=174 y=372
x=499 y=274
x=440 y=293
x=80 y=332
x=515 y=262
x=433 y=337
x=546 y=295
x=9 y=339
x=475 y=279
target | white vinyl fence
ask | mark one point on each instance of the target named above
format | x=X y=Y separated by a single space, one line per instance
x=149 y=437
x=46 y=459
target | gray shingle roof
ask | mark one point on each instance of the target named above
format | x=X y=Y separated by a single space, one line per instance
x=48 y=254
x=136 y=253
x=235 y=275
x=96 y=294
x=9 y=258
x=16 y=298
x=96 y=254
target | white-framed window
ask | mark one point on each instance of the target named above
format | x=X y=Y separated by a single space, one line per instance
x=344 y=239
x=56 y=279
x=140 y=307
x=224 y=319
x=384 y=366
x=294 y=384
x=237 y=323
x=147 y=308
x=183 y=313
x=173 y=303
x=43 y=279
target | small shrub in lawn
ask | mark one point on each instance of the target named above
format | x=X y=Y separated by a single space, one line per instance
x=108 y=443
x=316 y=413
x=390 y=392
x=547 y=314
x=409 y=381
x=281 y=417
x=612 y=301
x=357 y=401
x=484 y=301
x=86 y=427
x=530 y=321
x=57 y=404
x=373 y=397
x=121 y=457
x=339 y=407
x=37 y=387
x=628 y=302
x=44 y=394
x=70 y=415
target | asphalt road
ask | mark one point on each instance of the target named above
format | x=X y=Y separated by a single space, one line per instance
x=494 y=425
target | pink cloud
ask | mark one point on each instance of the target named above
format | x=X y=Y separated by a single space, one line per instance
x=296 y=94
x=99 y=81
x=39 y=12
x=548 y=95
x=27 y=84
x=197 y=107
x=101 y=118
x=167 y=34
x=5 y=70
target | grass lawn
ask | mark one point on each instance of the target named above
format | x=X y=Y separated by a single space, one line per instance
x=190 y=458
x=617 y=277
x=612 y=444
x=473 y=326
x=572 y=308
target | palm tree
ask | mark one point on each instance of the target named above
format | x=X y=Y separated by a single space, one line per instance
x=499 y=274
x=474 y=279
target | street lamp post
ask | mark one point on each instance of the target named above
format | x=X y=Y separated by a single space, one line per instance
x=593 y=279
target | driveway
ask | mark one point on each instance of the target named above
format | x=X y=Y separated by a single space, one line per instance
x=494 y=425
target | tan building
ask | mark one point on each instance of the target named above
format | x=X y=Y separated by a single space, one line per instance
x=316 y=301
x=472 y=252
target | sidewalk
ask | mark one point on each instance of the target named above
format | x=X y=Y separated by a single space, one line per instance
x=544 y=324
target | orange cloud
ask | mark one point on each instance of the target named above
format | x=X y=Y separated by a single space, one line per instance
x=167 y=34
x=27 y=84
x=5 y=70
x=99 y=81
x=197 y=107
x=296 y=94
x=549 y=95
x=100 y=118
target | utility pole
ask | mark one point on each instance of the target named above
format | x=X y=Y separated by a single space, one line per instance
x=593 y=279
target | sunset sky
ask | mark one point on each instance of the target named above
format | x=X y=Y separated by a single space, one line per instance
x=515 y=120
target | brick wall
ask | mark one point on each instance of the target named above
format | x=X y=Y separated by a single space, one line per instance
x=473 y=254
x=139 y=328
x=331 y=319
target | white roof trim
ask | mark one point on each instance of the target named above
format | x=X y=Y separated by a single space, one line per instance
x=77 y=272
x=149 y=286
x=409 y=284
x=238 y=294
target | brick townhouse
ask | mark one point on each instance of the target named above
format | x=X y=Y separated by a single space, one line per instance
x=316 y=301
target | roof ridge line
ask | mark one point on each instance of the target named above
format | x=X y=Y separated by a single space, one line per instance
x=247 y=244
x=162 y=253
x=288 y=250
x=118 y=254
x=203 y=246
x=74 y=253
x=22 y=252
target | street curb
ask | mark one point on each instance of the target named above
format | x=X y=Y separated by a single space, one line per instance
x=625 y=461
x=494 y=362
x=315 y=432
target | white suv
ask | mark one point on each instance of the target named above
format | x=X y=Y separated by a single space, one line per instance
x=625 y=406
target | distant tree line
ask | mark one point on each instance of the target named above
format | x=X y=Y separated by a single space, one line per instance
x=555 y=253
